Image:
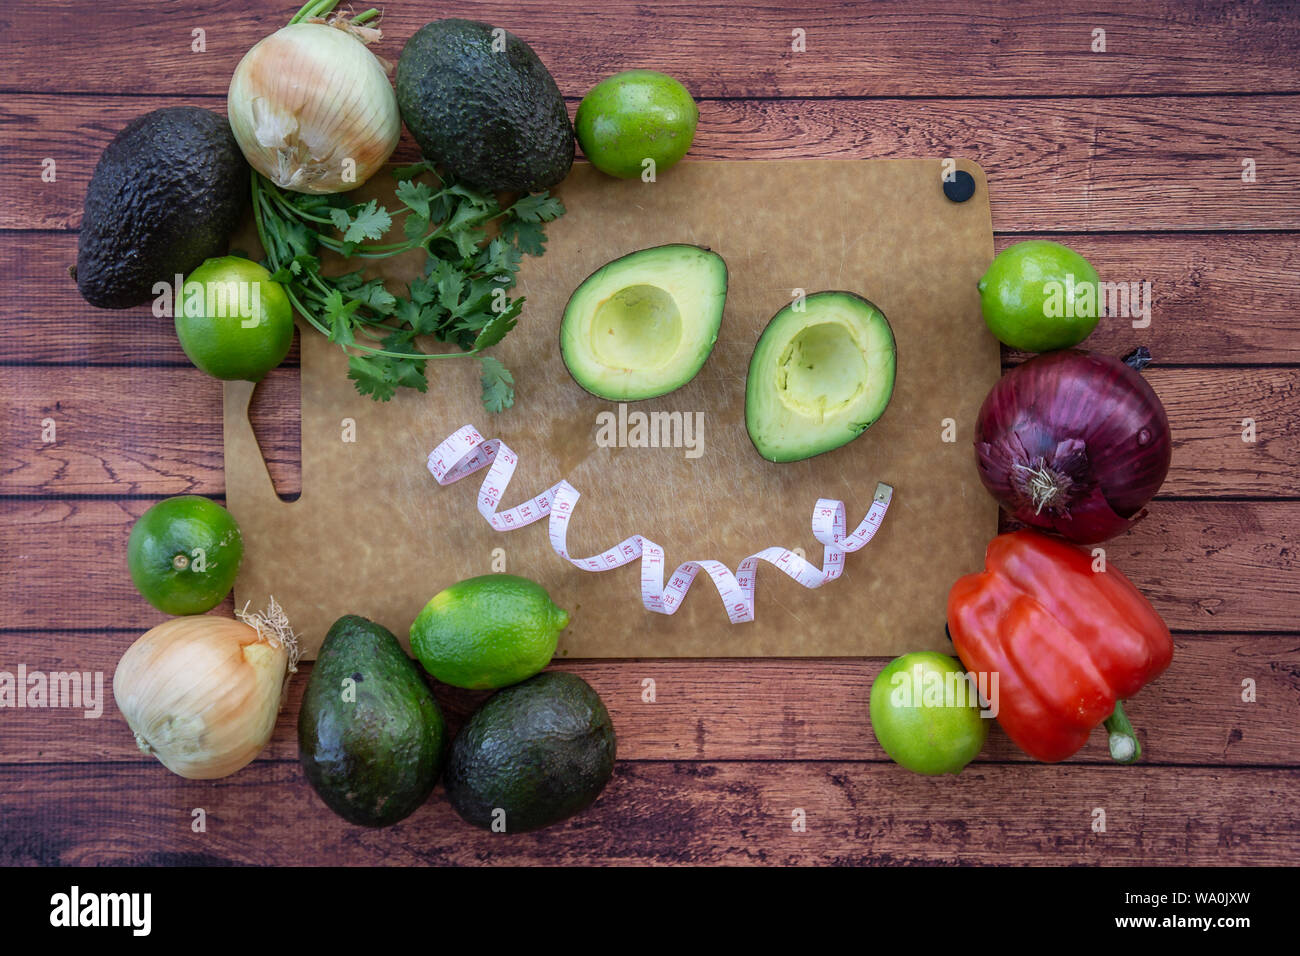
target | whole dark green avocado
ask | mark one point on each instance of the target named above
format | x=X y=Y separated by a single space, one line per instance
x=533 y=755
x=494 y=118
x=370 y=733
x=166 y=194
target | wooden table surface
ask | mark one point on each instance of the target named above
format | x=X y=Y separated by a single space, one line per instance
x=1135 y=156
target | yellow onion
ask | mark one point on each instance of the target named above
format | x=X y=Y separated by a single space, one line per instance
x=202 y=692
x=313 y=109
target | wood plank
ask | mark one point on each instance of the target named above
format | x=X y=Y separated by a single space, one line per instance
x=677 y=813
x=1073 y=165
x=137 y=430
x=1210 y=411
x=924 y=48
x=1228 y=566
x=1216 y=299
x=762 y=709
x=157 y=431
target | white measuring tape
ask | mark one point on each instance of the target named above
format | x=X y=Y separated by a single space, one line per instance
x=466 y=451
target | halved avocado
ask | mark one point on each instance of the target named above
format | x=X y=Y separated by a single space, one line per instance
x=643 y=325
x=820 y=377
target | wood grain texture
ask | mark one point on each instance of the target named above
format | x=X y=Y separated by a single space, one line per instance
x=136 y=430
x=677 y=813
x=1069 y=165
x=901 y=47
x=1216 y=299
x=1147 y=139
x=157 y=431
x=1204 y=564
x=772 y=709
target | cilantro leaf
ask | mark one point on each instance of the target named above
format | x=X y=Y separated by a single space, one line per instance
x=473 y=199
x=415 y=226
x=537 y=207
x=379 y=376
x=415 y=196
x=449 y=281
x=476 y=300
x=498 y=385
x=500 y=259
x=467 y=242
x=374 y=295
x=422 y=291
x=528 y=237
x=498 y=326
x=338 y=316
x=370 y=221
x=340 y=218
x=417 y=320
x=372 y=376
x=298 y=239
x=350 y=280
x=412 y=170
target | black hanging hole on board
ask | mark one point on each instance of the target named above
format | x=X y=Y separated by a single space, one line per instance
x=960 y=187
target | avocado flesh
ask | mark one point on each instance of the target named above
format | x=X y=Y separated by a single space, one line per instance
x=644 y=325
x=495 y=118
x=166 y=194
x=372 y=759
x=819 y=377
x=533 y=755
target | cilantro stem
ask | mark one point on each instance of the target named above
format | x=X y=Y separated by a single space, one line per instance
x=372 y=251
x=305 y=312
x=287 y=208
x=419 y=356
x=267 y=210
x=257 y=220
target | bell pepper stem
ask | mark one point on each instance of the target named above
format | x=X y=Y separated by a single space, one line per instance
x=1124 y=746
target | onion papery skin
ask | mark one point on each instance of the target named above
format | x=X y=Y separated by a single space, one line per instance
x=305 y=99
x=1073 y=442
x=202 y=693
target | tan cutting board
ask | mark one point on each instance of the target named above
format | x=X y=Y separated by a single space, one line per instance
x=374 y=534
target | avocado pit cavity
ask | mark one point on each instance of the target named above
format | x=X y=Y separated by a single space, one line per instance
x=639 y=326
x=821 y=371
x=644 y=324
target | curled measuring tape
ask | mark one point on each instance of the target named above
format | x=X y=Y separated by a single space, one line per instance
x=466 y=451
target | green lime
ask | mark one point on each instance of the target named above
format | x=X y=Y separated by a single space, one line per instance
x=1038 y=296
x=489 y=631
x=926 y=715
x=634 y=116
x=233 y=321
x=184 y=553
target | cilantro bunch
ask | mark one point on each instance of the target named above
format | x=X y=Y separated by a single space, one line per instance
x=461 y=299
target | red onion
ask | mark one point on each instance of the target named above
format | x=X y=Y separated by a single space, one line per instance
x=1074 y=442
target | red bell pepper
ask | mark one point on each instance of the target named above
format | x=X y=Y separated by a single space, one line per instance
x=1067 y=642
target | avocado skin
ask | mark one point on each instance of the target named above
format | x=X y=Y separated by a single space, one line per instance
x=541 y=751
x=495 y=120
x=373 y=761
x=167 y=193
